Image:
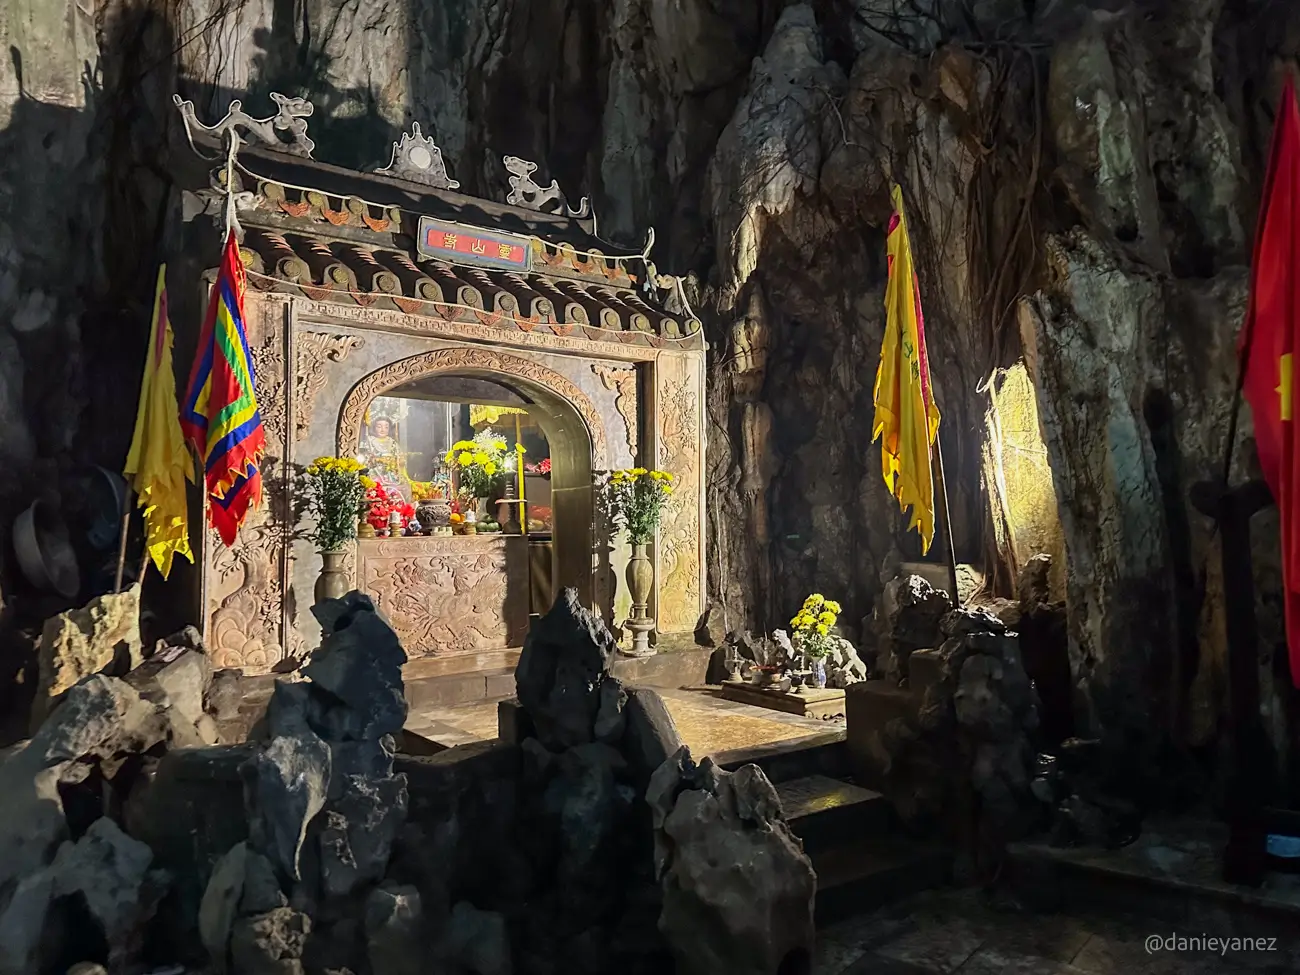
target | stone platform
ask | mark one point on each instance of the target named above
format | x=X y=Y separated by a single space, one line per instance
x=809 y=702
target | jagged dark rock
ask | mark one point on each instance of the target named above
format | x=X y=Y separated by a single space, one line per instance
x=565 y=659
x=717 y=915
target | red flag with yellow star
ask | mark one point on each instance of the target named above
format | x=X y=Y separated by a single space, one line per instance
x=1268 y=343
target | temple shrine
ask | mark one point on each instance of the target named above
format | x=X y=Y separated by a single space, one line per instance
x=390 y=317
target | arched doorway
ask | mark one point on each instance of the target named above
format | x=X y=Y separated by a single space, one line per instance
x=567 y=418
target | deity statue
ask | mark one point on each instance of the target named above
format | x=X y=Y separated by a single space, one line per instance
x=382 y=453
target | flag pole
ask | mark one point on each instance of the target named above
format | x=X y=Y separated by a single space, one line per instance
x=950 y=548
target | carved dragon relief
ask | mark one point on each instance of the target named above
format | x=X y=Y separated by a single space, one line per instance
x=448 y=604
x=454 y=360
x=314 y=350
x=679 y=531
x=623 y=381
x=246 y=582
x=289 y=119
x=525 y=192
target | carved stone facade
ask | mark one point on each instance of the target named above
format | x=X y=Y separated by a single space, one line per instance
x=449 y=595
x=623 y=380
x=245 y=586
x=680 y=450
x=466 y=360
x=316 y=373
x=314 y=350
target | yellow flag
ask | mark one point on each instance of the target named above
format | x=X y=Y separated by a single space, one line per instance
x=907 y=421
x=159 y=462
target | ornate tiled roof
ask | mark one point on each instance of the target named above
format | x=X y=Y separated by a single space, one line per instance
x=403 y=239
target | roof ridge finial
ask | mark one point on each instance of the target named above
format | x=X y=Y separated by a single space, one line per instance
x=417 y=159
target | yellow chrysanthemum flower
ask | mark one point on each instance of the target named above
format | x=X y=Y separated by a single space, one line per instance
x=480 y=458
x=367 y=483
x=489 y=468
x=466 y=458
x=827 y=618
x=832 y=606
x=822 y=629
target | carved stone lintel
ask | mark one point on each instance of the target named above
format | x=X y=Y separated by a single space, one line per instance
x=289 y=119
x=314 y=350
x=418 y=159
x=622 y=380
x=524 y=191
x=404 y=371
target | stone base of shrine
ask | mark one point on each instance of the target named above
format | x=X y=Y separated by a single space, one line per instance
x=808 y=702
x=490 y=676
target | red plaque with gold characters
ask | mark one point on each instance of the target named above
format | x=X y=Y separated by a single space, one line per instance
x=470 y=245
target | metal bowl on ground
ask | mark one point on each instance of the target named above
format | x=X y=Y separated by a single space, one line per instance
x=109 y=498
x=44 y=552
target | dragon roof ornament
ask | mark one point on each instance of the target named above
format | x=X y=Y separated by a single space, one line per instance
x=418 y=159
x=290 y=120
x=525 y=192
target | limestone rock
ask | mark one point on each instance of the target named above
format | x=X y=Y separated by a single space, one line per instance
x=843 y=665
x=243 y=883
x=220 y=904
x=396 y=939
x=285 y=786
x=102 y=636
x=98 y=721
x=651 y=736
x=709 y=631
x=110 y=871
x=565 y=659
x=360 y=829
x=270 y=943
x=360 y=663
x=477 y=940
x=907 y=618
x=737 y=887
x=1033 y=588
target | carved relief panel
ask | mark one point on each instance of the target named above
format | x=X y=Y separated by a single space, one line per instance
x=245 y=587
x=679 y=430
x=449 y=595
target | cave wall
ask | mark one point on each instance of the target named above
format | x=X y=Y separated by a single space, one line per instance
x=1081 y=180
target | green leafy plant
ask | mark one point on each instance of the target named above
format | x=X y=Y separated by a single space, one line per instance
x=636 y=499
x=335 y=489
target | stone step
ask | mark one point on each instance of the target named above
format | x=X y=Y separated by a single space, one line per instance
x=449 y=690
x=1173 y=874
x=781 y=761
x=827 y=813
x=875 y=871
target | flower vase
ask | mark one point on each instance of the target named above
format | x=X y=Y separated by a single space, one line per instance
x=640 y=580
x=333 y=581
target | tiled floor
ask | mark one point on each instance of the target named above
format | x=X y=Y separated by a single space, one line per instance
x=708 y=724
x=964 y=933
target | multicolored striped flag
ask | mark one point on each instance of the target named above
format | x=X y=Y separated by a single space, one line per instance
x=157 y=463
x=220 y=416
x=907 y=420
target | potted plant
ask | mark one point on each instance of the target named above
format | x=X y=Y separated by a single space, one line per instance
x=481 y=465
x=336 y=496
x=636 y=498
x=811 y=634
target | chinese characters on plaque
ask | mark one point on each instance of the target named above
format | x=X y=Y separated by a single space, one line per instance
x=468 y=245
